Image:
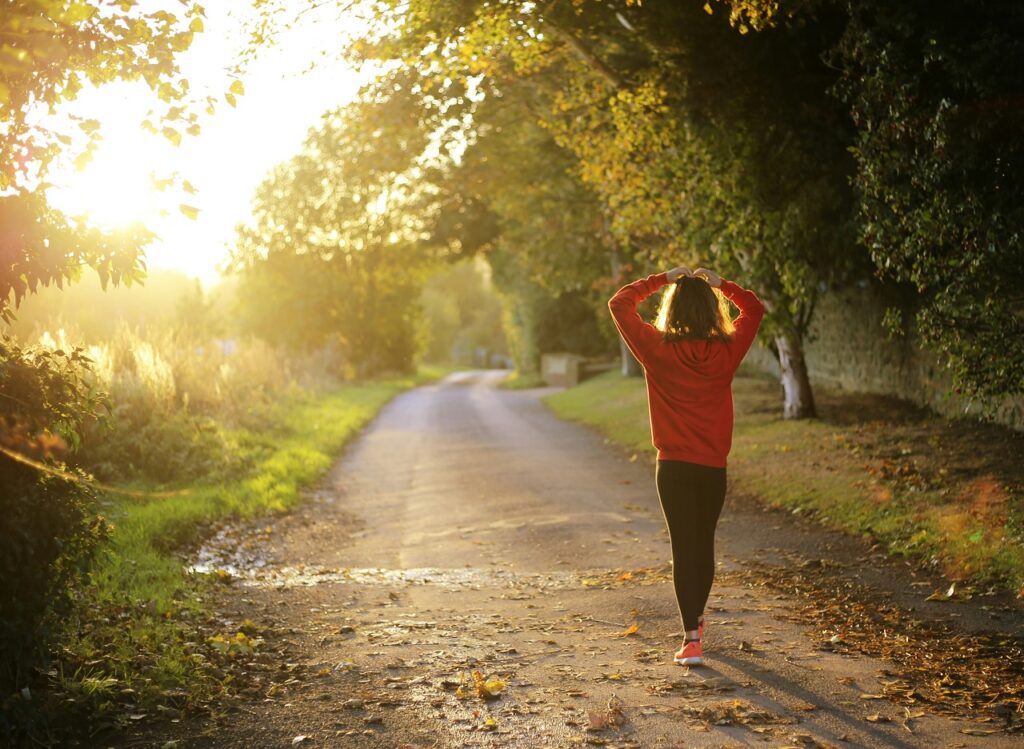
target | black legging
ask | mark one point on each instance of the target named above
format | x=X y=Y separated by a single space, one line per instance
x=691 y=497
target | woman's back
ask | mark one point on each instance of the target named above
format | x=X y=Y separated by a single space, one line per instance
x=688 y=380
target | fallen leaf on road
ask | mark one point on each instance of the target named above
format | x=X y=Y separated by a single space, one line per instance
x=876 y=718
x=611 y=717
x=631 y=630
x=939 y=596
x=486 y=689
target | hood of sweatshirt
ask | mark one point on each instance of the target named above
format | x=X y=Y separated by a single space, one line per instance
x=701 y=359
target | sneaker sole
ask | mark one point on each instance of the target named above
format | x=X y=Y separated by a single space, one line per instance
x=692 y=661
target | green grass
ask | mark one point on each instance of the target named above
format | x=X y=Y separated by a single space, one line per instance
x=868 y=466
x=522 y=381
x=134 y=628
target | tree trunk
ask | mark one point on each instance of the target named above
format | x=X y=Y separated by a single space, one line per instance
x=796 y=385
x=630 y=366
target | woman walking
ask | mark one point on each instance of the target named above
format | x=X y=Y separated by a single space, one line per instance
x=689 y=359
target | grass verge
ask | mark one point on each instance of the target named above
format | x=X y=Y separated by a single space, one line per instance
x=522 y=381
x=142 y=643
x=948 y=493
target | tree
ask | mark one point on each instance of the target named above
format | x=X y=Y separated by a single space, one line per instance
x=701 y=144
x=48 y=520
x=48 y=52
x=934 y=89
x=551 y=251
x=333 y=252
x=723 y=149
x=462 y=315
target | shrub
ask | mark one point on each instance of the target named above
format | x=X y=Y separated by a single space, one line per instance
x=177 y=399
x=48 y=525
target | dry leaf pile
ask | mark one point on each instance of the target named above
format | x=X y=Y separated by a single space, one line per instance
x=733 y=712
x=976 y=676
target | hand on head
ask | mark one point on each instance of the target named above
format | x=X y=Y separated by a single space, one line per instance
x=707 y=274
x=713 y=279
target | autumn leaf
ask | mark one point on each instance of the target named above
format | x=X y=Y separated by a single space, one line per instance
x=488 y=689
x=172 y=135
x=939 y=596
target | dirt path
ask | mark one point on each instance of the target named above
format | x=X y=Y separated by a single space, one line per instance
x=470 y=530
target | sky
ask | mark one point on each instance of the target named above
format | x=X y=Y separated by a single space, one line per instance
x=227 y=160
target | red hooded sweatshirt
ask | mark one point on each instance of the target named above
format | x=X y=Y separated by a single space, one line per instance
x=689 y=383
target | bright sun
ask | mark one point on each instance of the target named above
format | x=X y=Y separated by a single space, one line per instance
x=229 y=158
x=115 y=189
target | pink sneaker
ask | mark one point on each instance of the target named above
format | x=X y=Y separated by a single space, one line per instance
x=690 y=654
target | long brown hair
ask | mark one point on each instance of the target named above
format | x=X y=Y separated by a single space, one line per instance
x=691 y=310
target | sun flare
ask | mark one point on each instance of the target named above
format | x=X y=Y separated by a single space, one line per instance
x=116 y=188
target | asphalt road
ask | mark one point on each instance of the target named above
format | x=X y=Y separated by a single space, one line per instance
x=468 y=529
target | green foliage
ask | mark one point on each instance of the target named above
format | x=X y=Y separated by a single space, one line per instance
x=39 y=246
x=48 y=522
x=752 y=181
x=538 y=320
x=333 y=256
x=48 y=52
x=550 y=251
x=462 y=314
x=175 y=391
x=934 y=91
x=671 y=139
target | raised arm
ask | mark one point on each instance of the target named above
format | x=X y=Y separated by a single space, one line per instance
x=640 y=337
x=751 y=311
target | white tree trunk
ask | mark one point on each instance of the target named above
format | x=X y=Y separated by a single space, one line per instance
x=796 y=385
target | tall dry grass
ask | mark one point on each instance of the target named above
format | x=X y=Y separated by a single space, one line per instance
x=183 y=405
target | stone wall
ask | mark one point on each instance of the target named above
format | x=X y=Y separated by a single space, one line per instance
x=850 y=349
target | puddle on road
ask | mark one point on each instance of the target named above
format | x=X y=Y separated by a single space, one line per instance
x=265 y=575
x=243 y=553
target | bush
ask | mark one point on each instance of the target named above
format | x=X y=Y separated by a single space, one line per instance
x=176 y=395
x=48 y=524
